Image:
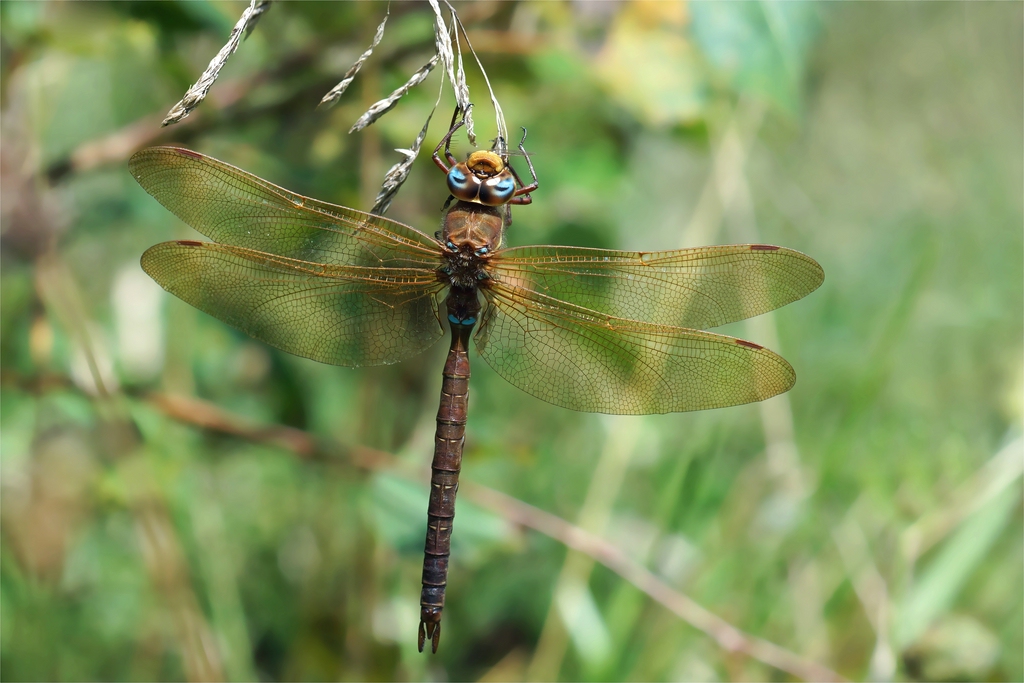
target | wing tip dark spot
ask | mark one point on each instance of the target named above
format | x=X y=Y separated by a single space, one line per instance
x=189 y=243
x=764 y=247
x=749 y=345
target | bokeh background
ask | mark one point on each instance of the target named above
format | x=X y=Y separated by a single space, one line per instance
x=181 y=502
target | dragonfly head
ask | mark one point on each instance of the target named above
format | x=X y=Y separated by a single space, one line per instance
x=484 y=178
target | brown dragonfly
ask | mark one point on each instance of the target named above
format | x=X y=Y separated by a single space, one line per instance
x=586 y=329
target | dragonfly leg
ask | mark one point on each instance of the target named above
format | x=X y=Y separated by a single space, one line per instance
x=446 y=142
x=534 y=184
x=519 y=201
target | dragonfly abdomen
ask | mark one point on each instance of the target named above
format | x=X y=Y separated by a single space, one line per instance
x=444 y=473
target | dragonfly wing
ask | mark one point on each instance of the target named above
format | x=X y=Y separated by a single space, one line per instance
x=339 y=315
x=588 y=361
x=694 y=288
x=231 y=206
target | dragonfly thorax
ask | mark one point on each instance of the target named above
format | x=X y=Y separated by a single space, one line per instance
x=470 y=234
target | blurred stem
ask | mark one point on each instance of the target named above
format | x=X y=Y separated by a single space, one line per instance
x=177 y=374
x=158 y=540
x=727 y=202
x=574 y=577
x=871 y=590
x=877 y=362
x=730 y=153
x=1000 y=472
x=219 y=566
x=59 y=293
x=626 y=604
x=728 y=159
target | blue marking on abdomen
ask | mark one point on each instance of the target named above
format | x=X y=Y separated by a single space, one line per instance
x=456 y=321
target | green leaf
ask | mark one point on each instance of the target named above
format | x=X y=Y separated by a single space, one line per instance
x=941 y=581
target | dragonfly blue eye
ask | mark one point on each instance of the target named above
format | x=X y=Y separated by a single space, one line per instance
x=498 y=191
x=461 y=185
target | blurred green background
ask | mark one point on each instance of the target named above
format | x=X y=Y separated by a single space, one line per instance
x=869 y=520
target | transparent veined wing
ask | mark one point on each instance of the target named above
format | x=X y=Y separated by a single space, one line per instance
x=342 y=315
x=584 y=360
x=231 y=206
x=694 y=288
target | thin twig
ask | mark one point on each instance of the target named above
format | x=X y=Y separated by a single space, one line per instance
x=197 y=93
x=443 y=44
x=462 y=88
x=499 y=115
x=209 y=416
x=730 y=638
x=261 y=7
x=397 y=174
x=725 y=634
x=336 y=92
x=381 y=107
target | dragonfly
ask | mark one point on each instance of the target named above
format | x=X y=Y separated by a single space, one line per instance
x=593 y=330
